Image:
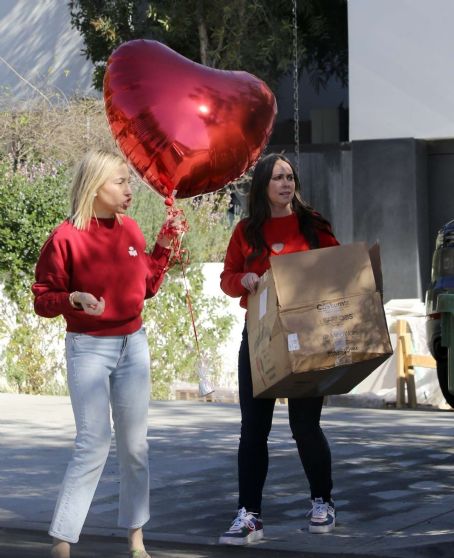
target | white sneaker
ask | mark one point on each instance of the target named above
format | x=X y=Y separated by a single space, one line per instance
x=323 y=516
x=246 y=528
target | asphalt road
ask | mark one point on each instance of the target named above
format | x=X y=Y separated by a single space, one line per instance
x=36 y=544
x=394 y=474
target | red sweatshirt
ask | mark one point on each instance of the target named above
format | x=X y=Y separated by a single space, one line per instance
x=107 y=260
x=277 y=230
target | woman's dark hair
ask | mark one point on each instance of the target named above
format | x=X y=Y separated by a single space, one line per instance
x=259 y=209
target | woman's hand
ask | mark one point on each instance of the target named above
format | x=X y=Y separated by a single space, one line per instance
x=174 y=225
x=90 y=304
x=250 y=282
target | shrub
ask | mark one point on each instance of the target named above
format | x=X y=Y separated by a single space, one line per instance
x=34 y=178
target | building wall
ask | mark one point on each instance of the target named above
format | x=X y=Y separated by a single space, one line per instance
x=440 y=169
x=326 y=177
x=40 y=50
x=390 y=206
x=397 y=192
x=323 y=113
x=400 y=60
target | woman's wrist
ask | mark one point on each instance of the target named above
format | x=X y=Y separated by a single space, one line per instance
x=73 y=300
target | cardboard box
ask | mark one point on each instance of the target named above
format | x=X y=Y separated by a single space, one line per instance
x=316 y=325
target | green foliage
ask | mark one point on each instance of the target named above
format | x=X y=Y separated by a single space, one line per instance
x=33 y=200
x=208 y=214
x=209 y=227
x=24 y=369
x=30 y=207
x=173 y=344
x=167 y=316
x=324 y=26
x=39 y=131
x=250 y=35
x=32 y=363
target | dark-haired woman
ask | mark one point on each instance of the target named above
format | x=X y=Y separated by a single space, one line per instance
x=279 y=222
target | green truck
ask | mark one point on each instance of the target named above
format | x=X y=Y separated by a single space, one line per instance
x=440 y=310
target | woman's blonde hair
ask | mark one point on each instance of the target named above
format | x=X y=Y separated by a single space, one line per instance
x=90 y=174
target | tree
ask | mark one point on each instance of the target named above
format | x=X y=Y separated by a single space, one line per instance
x=33 y=199
x=57 y=133
x=250 y=35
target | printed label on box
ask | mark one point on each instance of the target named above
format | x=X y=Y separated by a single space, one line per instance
x=293 y=342
x=262 y=303
x=340 y=339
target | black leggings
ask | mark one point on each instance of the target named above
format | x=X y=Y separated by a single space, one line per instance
x=256 y=420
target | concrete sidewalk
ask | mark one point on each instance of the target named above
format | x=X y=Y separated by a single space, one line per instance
x=393 y=475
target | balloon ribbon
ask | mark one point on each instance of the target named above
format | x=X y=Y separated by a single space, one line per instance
x=181 y=256
x=177 y=257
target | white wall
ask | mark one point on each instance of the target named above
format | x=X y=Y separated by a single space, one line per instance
x=229 y=349
x=401 y=78
x=37 y=40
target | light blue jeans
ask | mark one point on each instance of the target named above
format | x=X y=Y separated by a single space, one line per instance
x=103 y=372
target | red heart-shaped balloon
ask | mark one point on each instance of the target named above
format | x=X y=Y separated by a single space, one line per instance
x=185 y=128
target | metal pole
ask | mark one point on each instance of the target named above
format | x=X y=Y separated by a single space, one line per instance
x=295 y=88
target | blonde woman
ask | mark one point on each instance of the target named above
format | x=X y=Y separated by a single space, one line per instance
x=93 y=269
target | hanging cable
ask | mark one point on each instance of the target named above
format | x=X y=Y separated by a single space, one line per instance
x=295 y=88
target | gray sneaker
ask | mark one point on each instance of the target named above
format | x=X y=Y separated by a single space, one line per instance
x=245 y=528
x=323 y=516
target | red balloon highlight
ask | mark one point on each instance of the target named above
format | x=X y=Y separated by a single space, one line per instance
x=185 y=128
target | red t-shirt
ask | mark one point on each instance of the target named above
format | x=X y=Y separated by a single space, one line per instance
x=107 y=260
x=280 y=231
